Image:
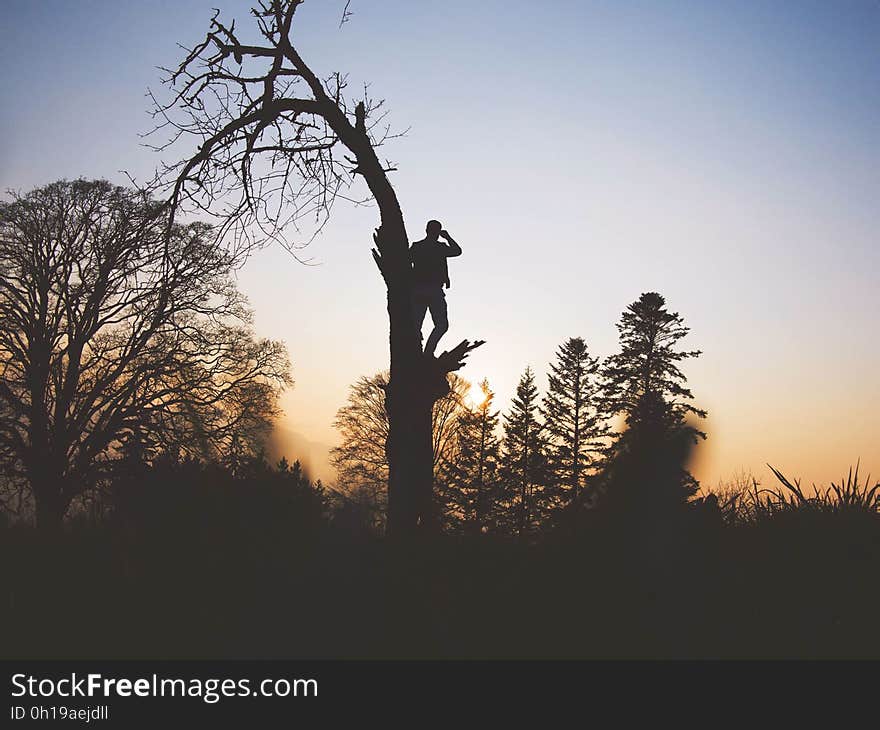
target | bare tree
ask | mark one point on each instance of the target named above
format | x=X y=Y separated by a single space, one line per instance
x=359 y=460
x=116 y=329
x=277 y=145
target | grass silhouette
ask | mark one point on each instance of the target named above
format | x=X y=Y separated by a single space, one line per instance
x=254 y=566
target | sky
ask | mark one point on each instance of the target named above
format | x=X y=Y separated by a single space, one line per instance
x=726 y=155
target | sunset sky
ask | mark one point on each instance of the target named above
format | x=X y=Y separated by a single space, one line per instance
x=581 y=153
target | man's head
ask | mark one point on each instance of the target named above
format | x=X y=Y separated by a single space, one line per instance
x=433 y=230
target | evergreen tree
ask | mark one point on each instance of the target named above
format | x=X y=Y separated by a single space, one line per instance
x=645 y=385
x=574 y=420
x=524 y=467
x=471 y=479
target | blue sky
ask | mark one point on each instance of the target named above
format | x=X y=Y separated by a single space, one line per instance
x=724 y=154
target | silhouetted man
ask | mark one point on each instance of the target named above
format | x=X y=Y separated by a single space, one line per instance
x=430 y=273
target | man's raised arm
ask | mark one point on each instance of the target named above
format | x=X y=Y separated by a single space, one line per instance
x=452 y=248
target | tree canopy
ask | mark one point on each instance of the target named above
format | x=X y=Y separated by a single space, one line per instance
x=116 y=329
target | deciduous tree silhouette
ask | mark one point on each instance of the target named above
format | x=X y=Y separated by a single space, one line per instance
x=105 y=347
x=271 y=134
x=573 y=418
x=360 y=461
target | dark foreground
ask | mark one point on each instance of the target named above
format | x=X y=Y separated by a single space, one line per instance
x=801 y=586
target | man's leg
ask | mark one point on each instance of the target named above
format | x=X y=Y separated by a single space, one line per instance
x=437 y=305
x=420 y=309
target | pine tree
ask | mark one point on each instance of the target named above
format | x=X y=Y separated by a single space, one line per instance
x=574 y=420
x=471 y=479
x=524 y=468
x=645 y=385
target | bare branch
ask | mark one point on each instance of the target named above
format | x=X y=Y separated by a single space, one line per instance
x=346 y=14
x=266 y=130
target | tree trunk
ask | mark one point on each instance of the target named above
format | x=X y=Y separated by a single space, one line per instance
x=409 y=403
x=416 y=380
x=410 y=453
x=408 y=397
x=44 y=473
x=50 y=505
